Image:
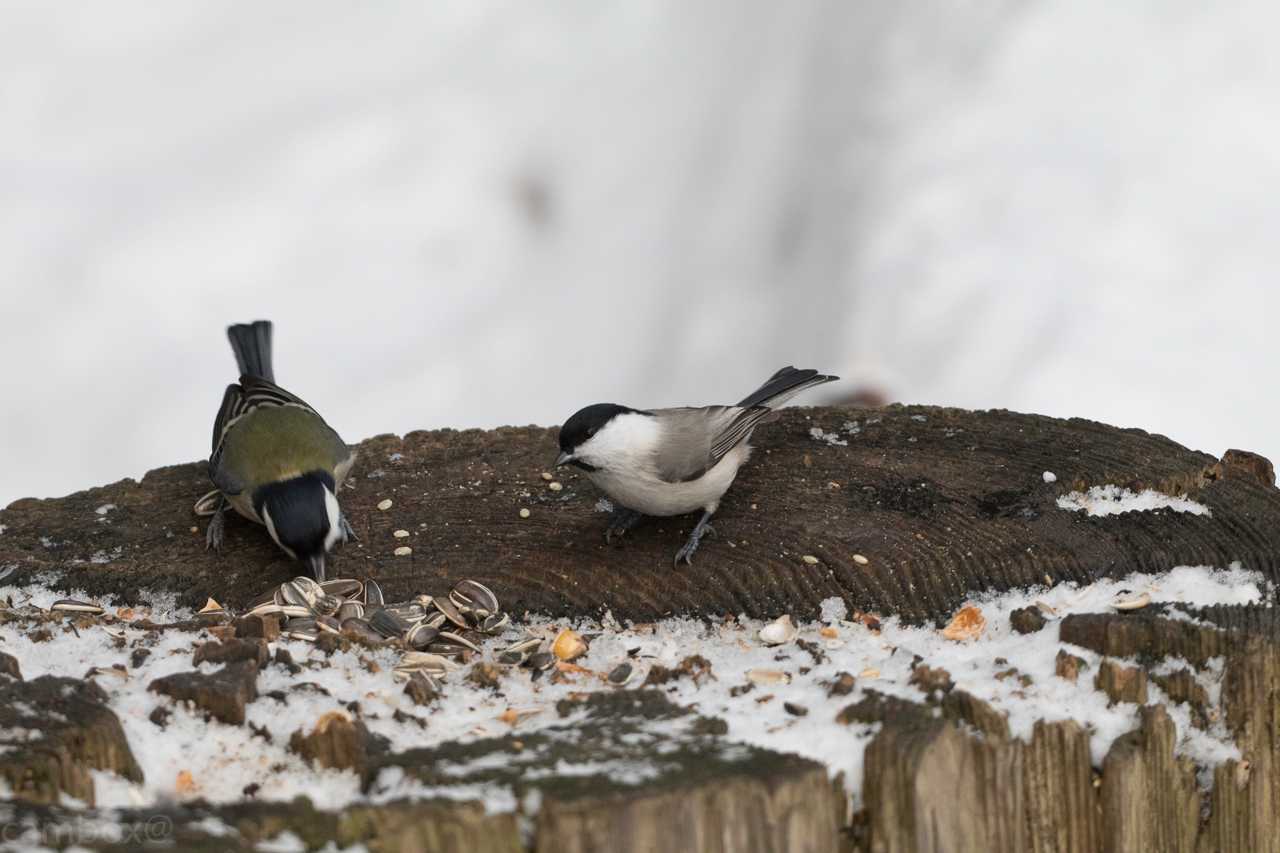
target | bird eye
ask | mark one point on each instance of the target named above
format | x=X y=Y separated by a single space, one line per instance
x=591 y=432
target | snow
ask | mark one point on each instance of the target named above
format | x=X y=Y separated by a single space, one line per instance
x=222 y=760
x=833 y=609
x=831 y=438
x=1114 y=500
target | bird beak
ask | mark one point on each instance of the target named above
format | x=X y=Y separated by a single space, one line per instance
x=564 y=458
x=317 y=567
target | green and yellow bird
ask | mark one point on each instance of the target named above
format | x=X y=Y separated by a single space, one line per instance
x=275 y=460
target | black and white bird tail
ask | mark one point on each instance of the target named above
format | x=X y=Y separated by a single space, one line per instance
x=251 y=342
x=784 y=385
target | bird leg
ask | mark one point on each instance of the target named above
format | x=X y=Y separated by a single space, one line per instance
x=695 y=539
x=620 y=521
x=217 y=524
x=347 y=533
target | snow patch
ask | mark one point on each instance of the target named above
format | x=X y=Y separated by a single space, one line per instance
x=831 y=438
x=221 y=760
x=833 y=609
x=1114 y=500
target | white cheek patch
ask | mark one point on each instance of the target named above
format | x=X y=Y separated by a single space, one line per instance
x=271 y=528
x=335 y=514
x=627 y=440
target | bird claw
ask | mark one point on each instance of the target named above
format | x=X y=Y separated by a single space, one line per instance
x=347 y=533
x=214 y=534
x=690 y=547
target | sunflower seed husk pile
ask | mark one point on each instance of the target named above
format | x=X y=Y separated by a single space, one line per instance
x=439 y=633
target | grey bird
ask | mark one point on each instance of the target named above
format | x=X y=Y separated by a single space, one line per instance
x=665 y=462
x=275 y=460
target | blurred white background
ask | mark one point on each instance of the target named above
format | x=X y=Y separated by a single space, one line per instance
x=471 y=214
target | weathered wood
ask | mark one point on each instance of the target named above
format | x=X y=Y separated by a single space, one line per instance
x=936 y=503
x=929 y=786
x=1063 y=813
x=650 y=778
x=1149 y=797
x=54 y=732
x=445 y=826
x=939 y=502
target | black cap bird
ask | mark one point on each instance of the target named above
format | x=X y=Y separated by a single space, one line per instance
x=275 y=460
x=672 y=461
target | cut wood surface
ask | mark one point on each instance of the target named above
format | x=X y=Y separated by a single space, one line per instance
x=918 y=509
x=933 y=784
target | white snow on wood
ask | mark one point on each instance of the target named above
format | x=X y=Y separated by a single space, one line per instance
x=1113 y=500
x=223 y=759
x=831 y=438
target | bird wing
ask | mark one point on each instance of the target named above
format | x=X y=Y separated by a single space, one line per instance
x=239 y=400
x=695 y=439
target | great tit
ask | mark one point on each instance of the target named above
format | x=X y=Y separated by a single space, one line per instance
x=275 y=460
x=667 y=462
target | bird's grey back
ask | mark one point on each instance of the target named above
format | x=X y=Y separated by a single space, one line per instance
x=688 y=436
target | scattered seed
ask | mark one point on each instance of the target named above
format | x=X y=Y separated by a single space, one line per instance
x=620 y=674
x=1132 y=603
x=451 y=612
x=384 y=504
x=779 y=631
x=795 y=710
x=555 y=487
x=860 y=560
x=869 y=672
x=967 y=624
x=524 y=512
x=542 y=660
x=547 y=476
x=401 y=534
x=768 y=676
x=403 y=551
x=343 y=587
x=810 y=559
x=70 y=605
x=569 y=645
x=350 y=610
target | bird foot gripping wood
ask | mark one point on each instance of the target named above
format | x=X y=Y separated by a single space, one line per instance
x=348 y=534
x=690 y=547
x=217 y=524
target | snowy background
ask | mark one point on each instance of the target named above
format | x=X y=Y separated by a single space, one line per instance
x=470 y=214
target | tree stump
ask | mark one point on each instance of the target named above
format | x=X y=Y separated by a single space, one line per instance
x=936 y=504
x=907 y=511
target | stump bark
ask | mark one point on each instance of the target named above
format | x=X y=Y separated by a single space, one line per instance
x=907 y=510
x=917 y=509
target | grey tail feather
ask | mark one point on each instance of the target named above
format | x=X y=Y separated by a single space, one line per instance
x=784 y=385
x=251 y=343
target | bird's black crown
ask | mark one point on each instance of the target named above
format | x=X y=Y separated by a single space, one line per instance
x=586 y=422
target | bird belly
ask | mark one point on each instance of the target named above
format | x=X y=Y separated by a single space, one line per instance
x=652 y=496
